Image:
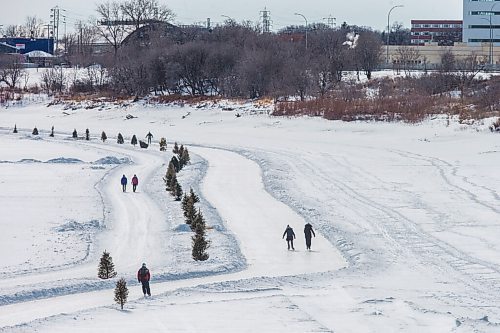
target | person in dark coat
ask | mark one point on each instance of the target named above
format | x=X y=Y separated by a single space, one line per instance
x=149 y=136
x=143 y=277
x=124 y=183
x=135 y=182
x=308 y=232
x=290 y=236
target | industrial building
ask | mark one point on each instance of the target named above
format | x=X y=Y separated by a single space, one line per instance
x=481 y=19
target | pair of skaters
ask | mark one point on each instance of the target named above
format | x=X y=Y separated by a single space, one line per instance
x=290 y=235
x=135 y=182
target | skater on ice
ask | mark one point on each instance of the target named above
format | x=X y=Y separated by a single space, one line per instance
x=308 y=232
x=135 y=182
x=149 y=136
x=290 y=236
x=124 y=183
x=143 y=277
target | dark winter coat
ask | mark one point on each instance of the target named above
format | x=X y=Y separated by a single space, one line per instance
x=143 y=274
x=289 y=234
x=308 y=230
x=135 y=181
x=124 y=180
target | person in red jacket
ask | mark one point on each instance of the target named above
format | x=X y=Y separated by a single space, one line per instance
x=135 y=182
x=143 y=277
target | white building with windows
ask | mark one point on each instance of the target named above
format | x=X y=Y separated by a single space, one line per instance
x=481 y=22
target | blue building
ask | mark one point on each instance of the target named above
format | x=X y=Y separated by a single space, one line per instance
x=25 y=45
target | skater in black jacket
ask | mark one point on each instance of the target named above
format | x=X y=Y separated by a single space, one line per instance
x=290 y=236
x=308 y=232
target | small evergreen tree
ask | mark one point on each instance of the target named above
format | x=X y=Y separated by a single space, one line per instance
x=134 y=140
x=106 y=268
x=163 y=144
x=104 y=137
x=168 y=176
x=184 y=158
x=87 y=134
x=190 y=212
x=199 y=242
x=35 y=131
x=120 y=139
x=184 y=202
x=15 y=128
x=176 y=148
x=178 y=192
x=75 y=134
x=181 y=150
x=193 y=196
x=173 y=185
x=121 y=292
x=52 y=132
x=175 y=162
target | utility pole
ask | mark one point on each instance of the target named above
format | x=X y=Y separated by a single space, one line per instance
x=55 y=24
x=298 y=14
x=266 y=21
x=388 y=31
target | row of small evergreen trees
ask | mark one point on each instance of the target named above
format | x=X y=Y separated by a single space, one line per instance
x=104 y=137
x=192 y=217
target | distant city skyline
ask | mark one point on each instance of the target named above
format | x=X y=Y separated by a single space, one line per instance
x=354 y=12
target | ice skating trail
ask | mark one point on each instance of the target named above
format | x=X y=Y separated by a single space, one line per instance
x=233 y=185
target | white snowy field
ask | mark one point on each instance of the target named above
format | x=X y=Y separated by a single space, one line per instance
x=407 y=221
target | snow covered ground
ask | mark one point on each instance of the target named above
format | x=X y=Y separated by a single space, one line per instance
x=407 y=220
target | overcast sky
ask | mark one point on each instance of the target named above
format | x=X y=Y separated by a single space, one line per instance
x=371 y=13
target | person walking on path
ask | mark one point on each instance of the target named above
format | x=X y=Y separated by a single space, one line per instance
x=149 y=136
x=290 y=236
x=143 y=277
x=135 y=182
x=308 y=232
x=124 y=183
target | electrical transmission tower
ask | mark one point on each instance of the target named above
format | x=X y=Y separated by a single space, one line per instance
x=331 y=21
x=54 y=21
x=266 y=21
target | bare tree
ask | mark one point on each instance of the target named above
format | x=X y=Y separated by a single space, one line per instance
x=368 y=52
x=108 y=27
x=407 y=57
x=11 y=72
x=33 y=27
x=467 y=69
x=141 y=12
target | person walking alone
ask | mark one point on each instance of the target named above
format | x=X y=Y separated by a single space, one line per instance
x=308 y=232
x=290 y=236
x=149 y=136
x=143 y=276
x=124 y=183
x=135 y=182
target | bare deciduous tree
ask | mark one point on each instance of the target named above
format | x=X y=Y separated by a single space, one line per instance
x=108 y=27
x=141 y=12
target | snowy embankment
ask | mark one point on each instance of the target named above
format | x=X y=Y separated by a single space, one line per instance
x=413 y=210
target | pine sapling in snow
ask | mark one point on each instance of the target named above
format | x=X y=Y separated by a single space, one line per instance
x=106 y=268
x=199 y=242
x=168 y=176
x=175 y=162
x=104 y=137
x=121 y=292
x=87 y=134
x=134 y=140
x=35 y=131
x=15 y=128
x=52 y=132
x=173 y=185
x=184 y=158
x=75 y=134
x=193 y=196
x=176 y=148
x=119 y=140
x=163 y=144
x=190 y=212
x=178 y=192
